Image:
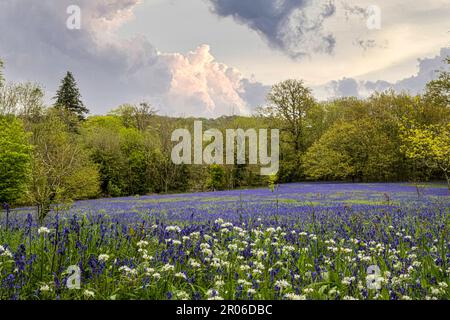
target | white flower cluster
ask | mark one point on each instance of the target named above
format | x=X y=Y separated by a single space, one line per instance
x=43 y=230
x=5 y=252
x=173 y=229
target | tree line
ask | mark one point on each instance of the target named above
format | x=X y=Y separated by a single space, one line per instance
x=55 y=154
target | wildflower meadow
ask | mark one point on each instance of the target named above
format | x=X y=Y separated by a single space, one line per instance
x=295 y=242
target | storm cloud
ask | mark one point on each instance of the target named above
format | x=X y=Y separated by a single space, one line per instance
x=293 y=26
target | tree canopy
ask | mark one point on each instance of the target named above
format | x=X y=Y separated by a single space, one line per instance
x=430 y=145
x=52 y=155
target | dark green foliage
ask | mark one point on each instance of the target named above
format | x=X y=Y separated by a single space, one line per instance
x=68 y=97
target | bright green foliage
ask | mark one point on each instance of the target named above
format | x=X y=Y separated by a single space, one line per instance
x=68 y=97
x=61 y=168
x=132 y=144
x=130 y=161
x=430 y=145
x=216 y=177
x=15 y=159
x=135 y=116
x=327 y=159
x=101 y=135
x=272 y=181
x=103 y=139
x=355 y=150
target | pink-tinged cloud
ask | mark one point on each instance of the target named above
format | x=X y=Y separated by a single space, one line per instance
x=200 y=85
x=111 y=70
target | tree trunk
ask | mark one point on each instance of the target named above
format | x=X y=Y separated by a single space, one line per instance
x=43 y=211
x=448 y=180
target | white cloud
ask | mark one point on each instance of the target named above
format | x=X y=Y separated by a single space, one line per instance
x=202 y=86
x=428 y=69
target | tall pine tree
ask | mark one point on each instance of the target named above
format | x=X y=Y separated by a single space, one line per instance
x=68 y=97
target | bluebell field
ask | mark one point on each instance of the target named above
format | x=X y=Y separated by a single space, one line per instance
x=300 y=241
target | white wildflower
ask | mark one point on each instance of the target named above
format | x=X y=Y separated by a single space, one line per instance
x=167 y=267
x=181 y=275
x=173 y=229
x=282 y=284
x=45 y=287
x=142 y=243
x=43 y=230
x=103 y=257
x=156 y=276
x=89 y=294
x=292 y=296
x=251 y=291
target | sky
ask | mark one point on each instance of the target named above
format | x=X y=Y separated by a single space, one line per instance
x=220 y=57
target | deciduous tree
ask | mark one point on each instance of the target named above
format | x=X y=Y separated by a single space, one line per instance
x=61 y=168
x=15 y=159
x=430 y=145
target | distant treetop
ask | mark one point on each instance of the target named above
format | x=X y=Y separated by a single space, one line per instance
x=68 y=97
